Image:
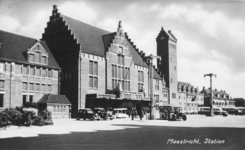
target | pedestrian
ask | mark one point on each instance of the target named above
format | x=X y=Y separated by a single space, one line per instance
x=132 y=114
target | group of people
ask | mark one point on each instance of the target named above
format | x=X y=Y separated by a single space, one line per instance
x=134 y=113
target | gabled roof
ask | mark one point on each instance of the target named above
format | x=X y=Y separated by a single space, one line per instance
x=54 y=99
x=14 y=47
x=90 y=37
x=207 y=92
x=97 y=41
x=165 y=34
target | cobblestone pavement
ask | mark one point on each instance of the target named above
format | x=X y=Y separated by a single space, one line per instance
x=67 y=134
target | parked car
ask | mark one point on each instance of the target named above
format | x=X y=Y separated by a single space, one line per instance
x=232 y=111
x=103 y=113
x=120 y=112
x=217 y=111
x=87 y=113
x=172 y=112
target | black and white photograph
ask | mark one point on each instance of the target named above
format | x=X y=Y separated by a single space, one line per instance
x=122 y=74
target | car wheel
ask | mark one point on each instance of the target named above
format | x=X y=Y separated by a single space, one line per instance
x=92 y=118
x=84 y=118
x=184 y=118
x=78 y=118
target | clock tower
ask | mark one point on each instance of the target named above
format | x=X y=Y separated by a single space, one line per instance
x=166 y=49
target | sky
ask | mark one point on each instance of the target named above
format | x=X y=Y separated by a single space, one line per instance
x=210 y=34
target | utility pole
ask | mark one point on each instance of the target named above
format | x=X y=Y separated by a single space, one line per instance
x=211 y=93
x=150 y=58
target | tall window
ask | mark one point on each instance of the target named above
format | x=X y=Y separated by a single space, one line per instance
x=37 y=87
x=140 y=81
x=31 y=98
x=1 y=100
x=43 y=73
x=121 y=74
x=24 y=86
x=157 y=84
x=121 y=60
x=93 y=74
x=31 y=86
x=32 y=73
x=24 y=98
x=43 y=87
x=38 y=72
x=24 y=70
x=31 y=57
x=50 y=73
x=1 y=84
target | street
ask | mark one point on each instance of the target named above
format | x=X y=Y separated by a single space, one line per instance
x=198 y=132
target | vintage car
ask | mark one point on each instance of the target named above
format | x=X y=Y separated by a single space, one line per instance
x=172 y=112
x=87 y=113
x=120 y=112
x=103 y=113
x=217 y=111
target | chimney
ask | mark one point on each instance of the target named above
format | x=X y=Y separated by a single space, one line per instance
x=204 y=88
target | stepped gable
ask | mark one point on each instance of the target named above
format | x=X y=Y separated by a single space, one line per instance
x=97 y=41
x=14 y=48
x=168 y=34
x=139 y=58
x=90 y=37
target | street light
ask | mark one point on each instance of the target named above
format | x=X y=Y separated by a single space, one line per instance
x=211 y=93
x=150 y=59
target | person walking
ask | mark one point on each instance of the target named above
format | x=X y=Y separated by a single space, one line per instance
x=132 y=114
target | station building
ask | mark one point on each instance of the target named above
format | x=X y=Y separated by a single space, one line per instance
x=104 y=69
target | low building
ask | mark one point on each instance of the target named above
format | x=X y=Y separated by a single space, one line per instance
x=58 y=105
x=220 y=98
x=189 y=97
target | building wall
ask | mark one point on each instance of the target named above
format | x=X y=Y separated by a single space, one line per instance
x=13 y=78
x=84 y=77
x=187 y=104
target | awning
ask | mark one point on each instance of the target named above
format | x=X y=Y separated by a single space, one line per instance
x=214 y=100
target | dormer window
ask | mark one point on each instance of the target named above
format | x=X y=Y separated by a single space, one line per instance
x=37 y=54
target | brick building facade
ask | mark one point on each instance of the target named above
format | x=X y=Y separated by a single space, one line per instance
x=28 y=70
x=98 y=65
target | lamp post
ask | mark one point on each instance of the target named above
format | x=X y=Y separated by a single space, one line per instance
x=211 y=93
x=151 y=74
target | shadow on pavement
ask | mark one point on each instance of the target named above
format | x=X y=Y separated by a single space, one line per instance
x=139 y=137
